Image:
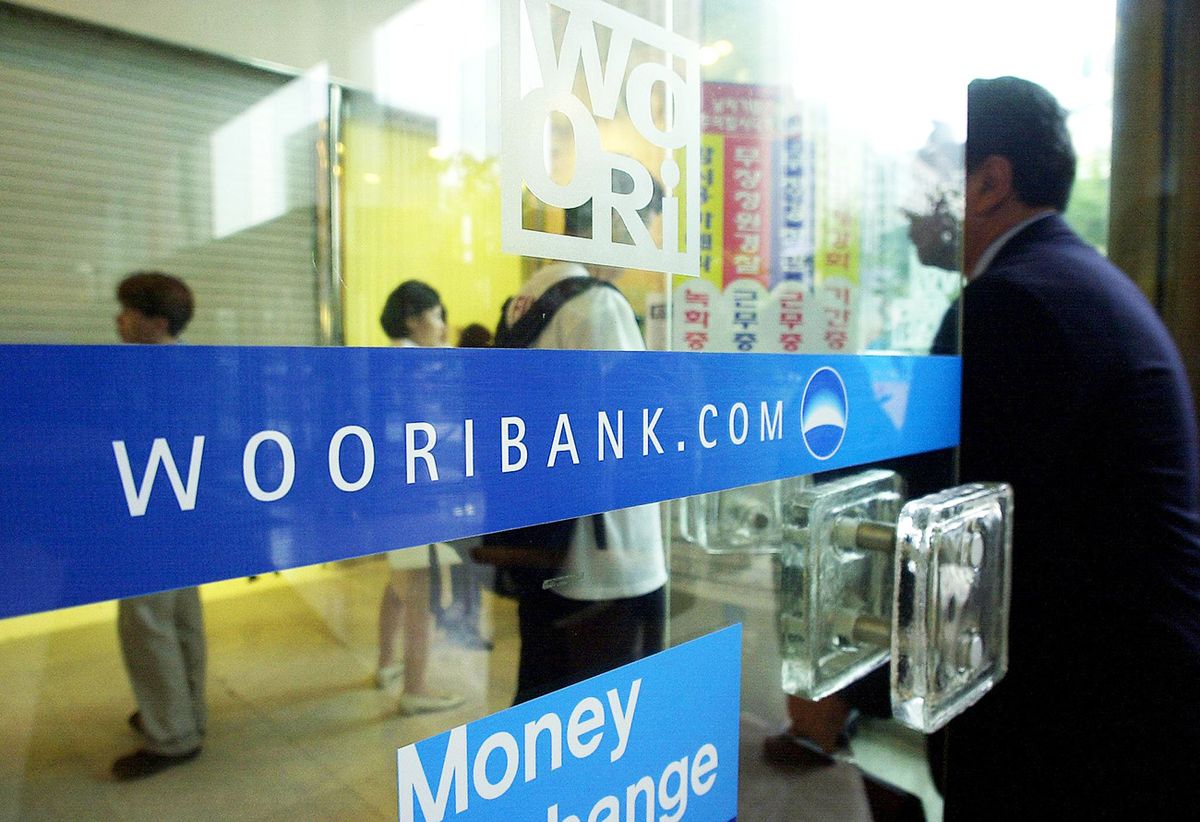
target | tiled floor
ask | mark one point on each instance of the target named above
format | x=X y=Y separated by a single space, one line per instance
x=296 y=729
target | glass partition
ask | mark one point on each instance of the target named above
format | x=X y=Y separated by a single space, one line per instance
x=769 y=181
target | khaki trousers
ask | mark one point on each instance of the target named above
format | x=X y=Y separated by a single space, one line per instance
x=162 y=642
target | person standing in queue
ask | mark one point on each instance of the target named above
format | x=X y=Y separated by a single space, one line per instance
x=606 y=603
x=461 y=618
x=161 y=635
x=412 y=317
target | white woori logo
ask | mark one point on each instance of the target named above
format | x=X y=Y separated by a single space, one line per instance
x=539 y=82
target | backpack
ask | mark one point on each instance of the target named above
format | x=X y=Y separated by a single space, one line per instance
x=527 y=558
x=533 y=322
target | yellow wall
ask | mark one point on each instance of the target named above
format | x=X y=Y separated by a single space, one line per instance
x=407 y=215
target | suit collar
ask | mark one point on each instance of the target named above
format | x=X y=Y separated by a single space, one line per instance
x=993 y=251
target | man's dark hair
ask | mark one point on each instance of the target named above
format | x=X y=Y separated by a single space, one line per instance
x=156 y=294
x=578 y=220
x=408 y=300
x=474 y=336
x=1020 y=120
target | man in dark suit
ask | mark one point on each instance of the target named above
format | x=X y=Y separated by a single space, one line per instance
x=1074 y=393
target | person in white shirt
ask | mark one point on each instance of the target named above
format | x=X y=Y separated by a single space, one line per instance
x=606 y=605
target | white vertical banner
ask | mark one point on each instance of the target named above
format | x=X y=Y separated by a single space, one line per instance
x=835 y=323
x=550 y=56
x=697 y=311
x=745 y=303
x=784 y=326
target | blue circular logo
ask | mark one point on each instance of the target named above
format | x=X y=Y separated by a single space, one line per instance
x=823 y=412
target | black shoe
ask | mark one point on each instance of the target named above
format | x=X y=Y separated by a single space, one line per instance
x=143 y=763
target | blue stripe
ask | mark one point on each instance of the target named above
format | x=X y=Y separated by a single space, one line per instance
x=69 y=536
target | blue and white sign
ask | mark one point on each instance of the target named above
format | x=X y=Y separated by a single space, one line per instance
x=612 y=747
x=824 y=412
x=131 y=469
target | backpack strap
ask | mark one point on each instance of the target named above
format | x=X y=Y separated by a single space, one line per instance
x=533 y=322
x=529 y=327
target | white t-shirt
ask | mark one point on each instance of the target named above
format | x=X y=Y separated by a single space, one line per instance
x=633 y=562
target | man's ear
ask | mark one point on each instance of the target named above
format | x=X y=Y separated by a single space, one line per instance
x=994 y=181
x=162 y=328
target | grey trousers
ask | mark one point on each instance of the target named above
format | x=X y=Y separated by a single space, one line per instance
x=162 y=642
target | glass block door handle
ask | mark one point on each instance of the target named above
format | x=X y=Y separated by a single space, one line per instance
x=866 y=576
x=950 y=621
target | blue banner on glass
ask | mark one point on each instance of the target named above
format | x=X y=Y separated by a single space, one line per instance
x=611 y=747
x=131 y=469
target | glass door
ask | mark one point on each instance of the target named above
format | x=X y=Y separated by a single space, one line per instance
x=759 y=243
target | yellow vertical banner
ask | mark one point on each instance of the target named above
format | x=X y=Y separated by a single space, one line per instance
x=712 y=208
x=836 y=322
x=838 y=203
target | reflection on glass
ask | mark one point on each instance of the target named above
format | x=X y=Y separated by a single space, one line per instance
x=805 y=243
x=122 y=154
x=250 y=154
x=412 y=210
x=455 y=91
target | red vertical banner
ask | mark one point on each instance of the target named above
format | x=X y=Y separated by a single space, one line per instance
x=745 y=117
